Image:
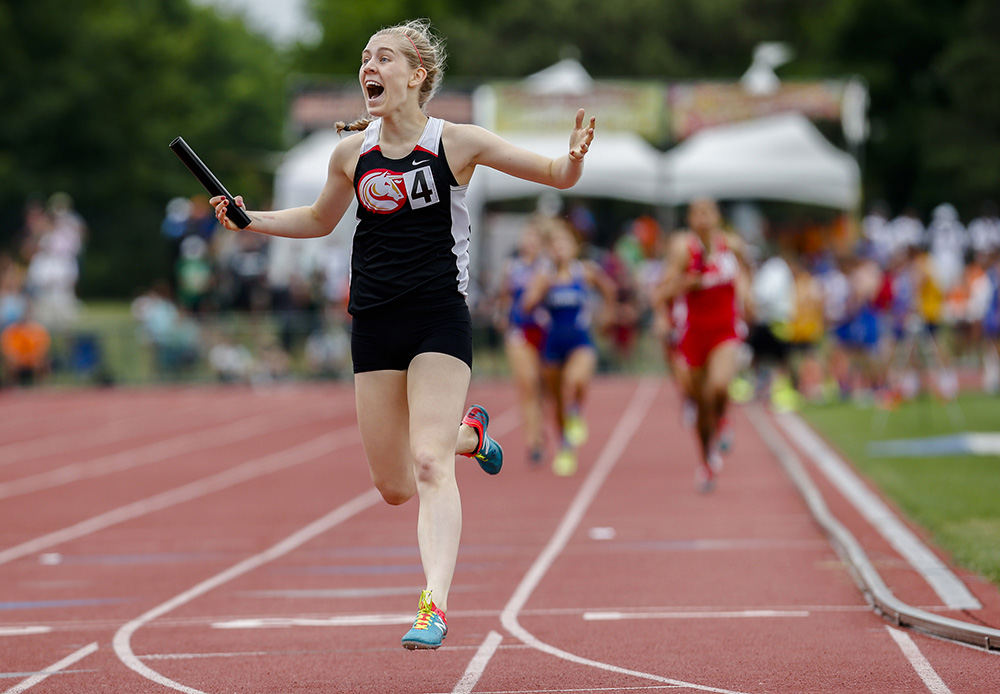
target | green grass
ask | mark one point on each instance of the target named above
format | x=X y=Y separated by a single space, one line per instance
x=956 y=498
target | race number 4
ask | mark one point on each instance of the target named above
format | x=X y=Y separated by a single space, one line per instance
x=420 y=188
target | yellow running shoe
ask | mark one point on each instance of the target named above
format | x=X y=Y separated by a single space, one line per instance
x=564 y=464
x=576 y=430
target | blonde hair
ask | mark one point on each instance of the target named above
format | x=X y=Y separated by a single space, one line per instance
x=422 y=48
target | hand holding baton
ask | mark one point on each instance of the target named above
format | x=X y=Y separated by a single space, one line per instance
x=213 y=185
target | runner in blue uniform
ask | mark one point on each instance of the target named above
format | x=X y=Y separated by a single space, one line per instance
x=411 y=340
x=569 y=356
x=524 y=331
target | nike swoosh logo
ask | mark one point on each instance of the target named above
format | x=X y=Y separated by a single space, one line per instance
x=418 y=163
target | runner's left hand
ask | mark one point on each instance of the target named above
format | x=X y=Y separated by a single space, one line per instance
x=581 y=137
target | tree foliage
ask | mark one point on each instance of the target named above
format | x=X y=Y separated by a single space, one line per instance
x=94 y=90
x=930 y=64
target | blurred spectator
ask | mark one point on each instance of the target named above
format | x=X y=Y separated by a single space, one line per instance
x=948 y=242
x=622 y=326
x=991 y=326
x=856 y=365
x=230 y=362
x=13 y=302
x=878 y=234
x=24 y=345
x=36 y=223
x=174 y=228
x=173 y=336
x=243 y=263
x=54 y=267
x=272 y=363
x=175 y=222
x=194 y=274
x=328 y=350
x=984 y=230
x=772 y=299
x=298 y=311
x=336 y=271
x=905 y=231
x=806 y=332
x=201 y=219
x=584 y=221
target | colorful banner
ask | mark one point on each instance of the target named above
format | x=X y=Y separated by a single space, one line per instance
x=660 y=112
x=319 y=108
x=619 y=106
x=698 y=105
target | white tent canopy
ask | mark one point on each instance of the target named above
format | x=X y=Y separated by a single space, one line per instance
x=782 y=157
x=302 y=172
x=567 y=76
x=298 y=181
x=619 y=165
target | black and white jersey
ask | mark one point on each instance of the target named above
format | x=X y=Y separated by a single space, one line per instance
x=411 y=245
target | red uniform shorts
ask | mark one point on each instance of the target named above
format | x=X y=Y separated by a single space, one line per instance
x=697 y=344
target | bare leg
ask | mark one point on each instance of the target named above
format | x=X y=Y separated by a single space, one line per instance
x=703 y=424
x=553 y=378
x=525 y=365
x=384 y=422
x=437 y=385
x=579 y=369
x=713 y=396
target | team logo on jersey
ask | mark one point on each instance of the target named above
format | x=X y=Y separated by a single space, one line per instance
x=382 y=191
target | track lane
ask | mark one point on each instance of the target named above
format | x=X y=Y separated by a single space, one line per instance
x=672 y=555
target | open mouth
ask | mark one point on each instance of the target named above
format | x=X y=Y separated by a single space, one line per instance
x=373 y=89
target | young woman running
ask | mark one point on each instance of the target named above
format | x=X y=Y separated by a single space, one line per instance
x=705 y=268
x=569 y=357
x=411 y=334
x=524 y=331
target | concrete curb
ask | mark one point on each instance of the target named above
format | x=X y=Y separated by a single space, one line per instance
x=876 y=592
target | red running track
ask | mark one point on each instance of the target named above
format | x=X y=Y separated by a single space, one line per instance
x=228 y=540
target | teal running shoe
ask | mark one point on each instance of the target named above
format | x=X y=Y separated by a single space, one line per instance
x=429 y=628
x=488 y=452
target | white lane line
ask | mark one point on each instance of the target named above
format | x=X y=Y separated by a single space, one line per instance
x=734 y=614
x=24 y=631
x=52 y=669
x=584 y=690
x=478 y=664
x=946 y=584
x=626 y=428
x=923 y=668
x=330 y=593
x=134 y=457
x=358 y=620
x=282 y=653
x=273 y=462
x=123 y=637
x=121 y=428
x=155 y=452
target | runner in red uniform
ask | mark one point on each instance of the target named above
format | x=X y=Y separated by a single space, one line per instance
x=705 y=266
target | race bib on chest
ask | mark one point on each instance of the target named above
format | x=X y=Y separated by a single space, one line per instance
x=383 y=191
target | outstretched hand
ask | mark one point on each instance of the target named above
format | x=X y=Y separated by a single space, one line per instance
x=581 y=137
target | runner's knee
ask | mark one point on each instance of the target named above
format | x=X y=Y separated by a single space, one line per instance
x=428 y=467
x=393 y=492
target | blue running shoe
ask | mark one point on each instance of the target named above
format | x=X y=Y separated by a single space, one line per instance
x=429 y=628
x=488 y=452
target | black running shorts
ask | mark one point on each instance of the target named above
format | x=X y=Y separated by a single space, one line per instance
x=389 y=337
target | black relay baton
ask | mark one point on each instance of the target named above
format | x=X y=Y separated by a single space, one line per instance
x=213 y=185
